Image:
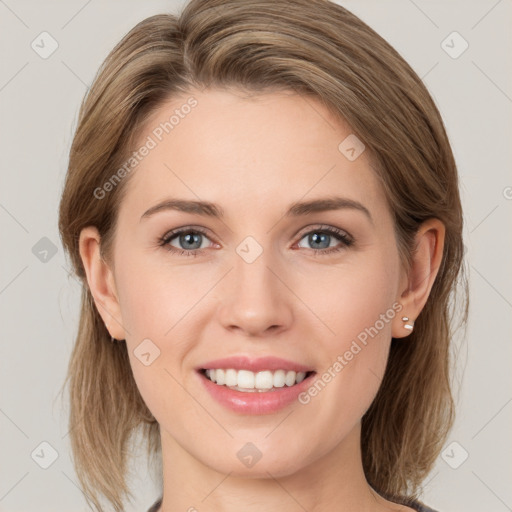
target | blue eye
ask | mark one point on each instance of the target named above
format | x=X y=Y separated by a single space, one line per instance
x=319 y=237
x=191 y=240
x=185 y=236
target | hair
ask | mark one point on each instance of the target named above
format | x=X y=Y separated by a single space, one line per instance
x=308 y=47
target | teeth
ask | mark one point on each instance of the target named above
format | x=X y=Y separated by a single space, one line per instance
x=231 y=378
x=220 y=377
x=245 y=380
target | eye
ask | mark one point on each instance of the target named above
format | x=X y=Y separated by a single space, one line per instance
x=189 y=238
x=321 y=238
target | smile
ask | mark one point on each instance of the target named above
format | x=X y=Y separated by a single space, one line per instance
x=247 y=381
x=256 y=396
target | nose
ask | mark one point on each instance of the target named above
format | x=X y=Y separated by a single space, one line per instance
x=255 y=299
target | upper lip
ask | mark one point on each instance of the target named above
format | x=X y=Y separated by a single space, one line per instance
x=243 y=362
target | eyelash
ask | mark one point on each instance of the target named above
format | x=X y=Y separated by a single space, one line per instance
x=346 y=240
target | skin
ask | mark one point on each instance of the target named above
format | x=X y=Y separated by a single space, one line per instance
x=254 y=156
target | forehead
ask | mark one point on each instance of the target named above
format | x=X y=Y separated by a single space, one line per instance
x=249 y=150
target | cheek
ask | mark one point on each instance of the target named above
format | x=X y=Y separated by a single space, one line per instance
x=352 y=299
x=154 y=297
x=158 y=304
x=157 y=307
x=359 y=312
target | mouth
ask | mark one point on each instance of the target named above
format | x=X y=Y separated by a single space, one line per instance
x=247 y=381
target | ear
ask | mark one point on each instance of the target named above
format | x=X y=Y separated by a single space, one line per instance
x=416 y=286
x=101 y=281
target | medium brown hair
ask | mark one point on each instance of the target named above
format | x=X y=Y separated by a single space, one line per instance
x=311 y=47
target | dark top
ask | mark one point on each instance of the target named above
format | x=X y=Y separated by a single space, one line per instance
x=155 y=505
x=416 y=505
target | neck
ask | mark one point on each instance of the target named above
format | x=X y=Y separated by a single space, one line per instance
x=332 y=482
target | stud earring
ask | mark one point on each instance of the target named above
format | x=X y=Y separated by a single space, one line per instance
x=409 y=326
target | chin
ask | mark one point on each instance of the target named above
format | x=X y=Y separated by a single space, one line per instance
x=260 y=469
x=258 y=460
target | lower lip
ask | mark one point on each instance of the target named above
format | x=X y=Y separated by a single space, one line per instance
x=258 y=402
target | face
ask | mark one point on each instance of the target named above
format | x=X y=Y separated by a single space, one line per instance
x=318 y=288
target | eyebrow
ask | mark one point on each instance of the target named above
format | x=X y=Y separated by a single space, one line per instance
x=296 y=209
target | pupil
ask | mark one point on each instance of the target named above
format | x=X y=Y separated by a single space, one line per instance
x=189 y=238
x=315 y=237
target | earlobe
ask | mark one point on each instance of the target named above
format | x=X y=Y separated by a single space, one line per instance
x=101 y=281
x=426 y=261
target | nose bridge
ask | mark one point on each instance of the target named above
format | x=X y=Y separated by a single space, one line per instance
x=252 y=264
x=255 y=298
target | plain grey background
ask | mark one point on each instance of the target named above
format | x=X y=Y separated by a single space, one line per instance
x=39 y=101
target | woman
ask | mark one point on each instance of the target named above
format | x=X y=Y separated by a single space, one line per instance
x=300 y=357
